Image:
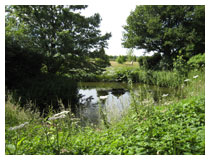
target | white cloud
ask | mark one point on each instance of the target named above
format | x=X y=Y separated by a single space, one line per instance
x=113 y=18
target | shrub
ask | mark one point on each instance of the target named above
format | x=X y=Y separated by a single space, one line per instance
x=121 y=59
x=150 y=62
x=20 y=63
x=47 y=90
x=197 y=61
x=180 y=65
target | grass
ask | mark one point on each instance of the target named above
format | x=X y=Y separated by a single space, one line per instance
x=126 y=64
x=174 y=127
x=136 y=74
x=125 y=72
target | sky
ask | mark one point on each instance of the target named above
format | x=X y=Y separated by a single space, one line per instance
x=113 y=18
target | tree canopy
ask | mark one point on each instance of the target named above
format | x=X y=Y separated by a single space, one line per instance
x=67 y=40
x=167 y=30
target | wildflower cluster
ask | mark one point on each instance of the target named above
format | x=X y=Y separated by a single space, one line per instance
x=18 y=127
x=164 y=95
x=194 y=77
x=59 y=115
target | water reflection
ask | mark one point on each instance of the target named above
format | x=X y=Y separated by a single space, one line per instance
x=113 y=102
x=111 y=98
x=118 y=92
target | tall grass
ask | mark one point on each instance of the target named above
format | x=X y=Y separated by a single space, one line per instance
x=15 y=114
x=173 y=127
x=159 y=78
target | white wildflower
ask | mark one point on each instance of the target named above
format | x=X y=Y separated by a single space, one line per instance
x=186 y=80
x=57 y=117
x=18 y=127
x=195 y=76
x=61 y=113
x=164 y=95
x=75 y=119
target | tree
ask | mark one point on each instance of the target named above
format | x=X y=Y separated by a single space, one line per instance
x=130 y=55
x=166 y=30
x=68 y=40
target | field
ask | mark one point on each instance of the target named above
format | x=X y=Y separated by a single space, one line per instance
x=128 y=64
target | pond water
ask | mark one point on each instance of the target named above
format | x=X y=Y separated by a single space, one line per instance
x=112 y=99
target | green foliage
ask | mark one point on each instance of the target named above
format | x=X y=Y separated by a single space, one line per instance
x=166 y=29
x=159 y=78
x=180 y=65
x=175 y=128
x=20 y=64
x=166 y=130
x=121 y=59
x=47 y=90
x=44 y=43
x=14 y=114
x=197 y=61
x=67 y=39
x=130 y=55
x=112 y=58
x=150 y=62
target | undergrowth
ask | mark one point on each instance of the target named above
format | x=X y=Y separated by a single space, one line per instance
x=159 y=78
x=172 y=128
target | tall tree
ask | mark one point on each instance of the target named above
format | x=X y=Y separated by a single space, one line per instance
x=166 y=30
x=68 y=40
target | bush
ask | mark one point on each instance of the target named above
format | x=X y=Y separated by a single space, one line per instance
x=121 y=59
x=20 y=64
x=180 y=65
x=197 y=61
x=46 y=90
x=150 y=62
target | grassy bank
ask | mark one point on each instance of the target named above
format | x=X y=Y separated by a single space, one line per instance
x=175 y=127
x=159 y=78
x=125 y=72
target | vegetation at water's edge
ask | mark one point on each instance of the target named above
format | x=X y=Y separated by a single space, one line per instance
x=171 y=128
x=50 y=48
x=47 y=44
x=141 y=74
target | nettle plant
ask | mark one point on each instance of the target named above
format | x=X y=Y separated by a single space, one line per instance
x=45 y=135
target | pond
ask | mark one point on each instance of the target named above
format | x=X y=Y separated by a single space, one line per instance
x=113 y=99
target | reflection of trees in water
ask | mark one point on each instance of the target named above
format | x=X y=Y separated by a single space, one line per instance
x=91 y=112
x=118 y=92
x=88 y=111
x=102 y=92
